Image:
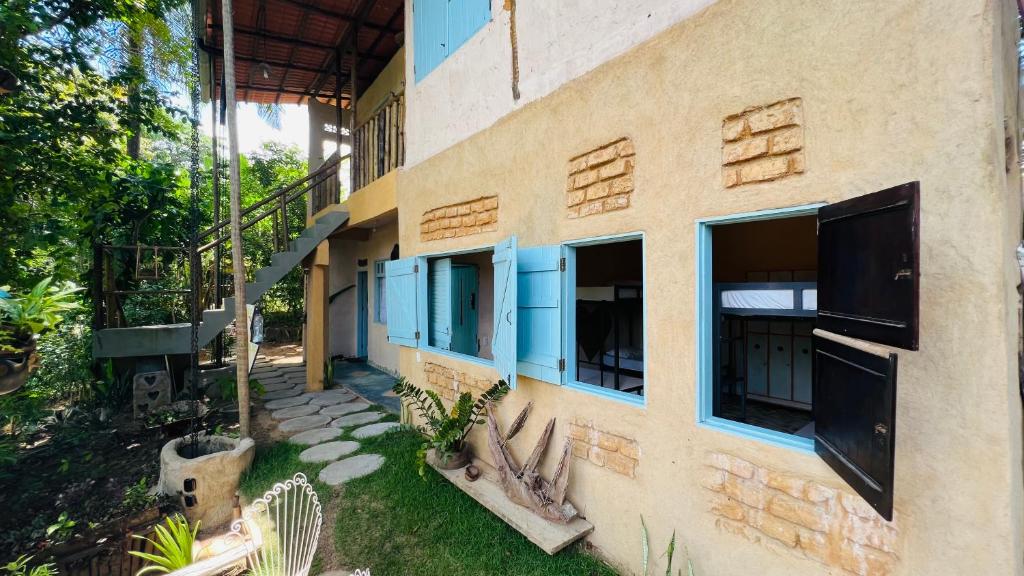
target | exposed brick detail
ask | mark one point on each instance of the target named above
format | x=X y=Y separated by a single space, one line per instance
x=462 y=219
x=600 y=180
x=449 y=383
x=616 y=453
x=830 y=526
x=763 y=143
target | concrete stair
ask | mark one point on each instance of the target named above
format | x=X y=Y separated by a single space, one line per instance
x=169 y=339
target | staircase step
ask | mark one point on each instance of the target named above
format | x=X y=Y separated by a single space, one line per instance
x=285 y=259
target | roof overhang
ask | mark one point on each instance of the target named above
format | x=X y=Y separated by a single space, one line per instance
x=289 y=51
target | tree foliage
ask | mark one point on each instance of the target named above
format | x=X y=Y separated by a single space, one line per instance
x=66 y=179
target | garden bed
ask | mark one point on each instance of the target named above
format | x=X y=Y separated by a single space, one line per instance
x=77 y=476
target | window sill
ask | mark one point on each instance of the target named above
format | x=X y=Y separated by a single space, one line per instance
x=460 y=356
x=631 y=399
x=772 y=437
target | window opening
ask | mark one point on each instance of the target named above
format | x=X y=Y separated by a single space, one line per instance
x=460 y=294
x=765 y=304
x=609 y=312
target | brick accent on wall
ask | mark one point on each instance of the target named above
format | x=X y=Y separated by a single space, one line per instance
x=462 y=219
x=763 y=143
x=616 y=453
x=449 y=383
x=600 y=180
x=833 y=527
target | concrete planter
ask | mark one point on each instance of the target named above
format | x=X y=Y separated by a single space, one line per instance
x=207 y=483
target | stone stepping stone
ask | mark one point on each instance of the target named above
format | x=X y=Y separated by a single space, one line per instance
x=374 y=429
x=328 y=452
x=303 y=423
x=275 y=386
x=315 y=436
x=342 y=409
x=292 y=368
x=266 y=374
x=355 y=467
x=270 y=379
x=331 y=399
x=294 y=412
x=356 y=419
x=286 y=402
x=286 y=393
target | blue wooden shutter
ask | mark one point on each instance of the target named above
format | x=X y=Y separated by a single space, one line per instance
x=401 y=277
x=440 y=303
x=540 y=315
x=503 y=345
x=465 y=17
x=430 y=35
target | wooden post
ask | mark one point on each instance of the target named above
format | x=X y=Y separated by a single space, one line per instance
x=218 y=251
x=237 y=258
x=317 y=318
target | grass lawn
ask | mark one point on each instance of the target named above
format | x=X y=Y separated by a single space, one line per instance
x=398 y=524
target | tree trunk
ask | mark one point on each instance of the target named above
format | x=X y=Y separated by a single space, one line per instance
x=237 y=261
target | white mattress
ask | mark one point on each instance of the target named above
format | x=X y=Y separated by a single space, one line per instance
x=768 y=299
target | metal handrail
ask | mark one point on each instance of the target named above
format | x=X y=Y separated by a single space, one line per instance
x=331 y=163
x=323 y=174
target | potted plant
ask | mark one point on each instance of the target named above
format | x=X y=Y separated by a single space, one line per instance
x=22 y=319
x=447 y=430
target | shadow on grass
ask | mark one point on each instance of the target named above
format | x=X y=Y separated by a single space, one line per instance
x=398 y=524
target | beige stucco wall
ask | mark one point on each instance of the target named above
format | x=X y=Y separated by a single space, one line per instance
x=390 y=81
x=345 y=255
x=557 y=41
x=893 y=91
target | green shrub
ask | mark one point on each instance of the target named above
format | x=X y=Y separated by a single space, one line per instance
x=20 y=568
x=174 y=544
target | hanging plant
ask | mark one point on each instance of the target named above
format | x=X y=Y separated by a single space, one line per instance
x=22 y=319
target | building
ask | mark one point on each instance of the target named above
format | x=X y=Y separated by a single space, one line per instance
x=756 y=258
x=650 y=177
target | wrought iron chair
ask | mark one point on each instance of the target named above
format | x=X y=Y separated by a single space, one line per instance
x=276 y=535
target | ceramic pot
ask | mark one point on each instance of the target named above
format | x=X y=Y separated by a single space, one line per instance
x=15 y=368
x=454 y=461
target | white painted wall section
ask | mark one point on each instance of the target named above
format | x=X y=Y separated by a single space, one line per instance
x=558 y=40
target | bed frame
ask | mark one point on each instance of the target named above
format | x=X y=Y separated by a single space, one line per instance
x=755 y=300
x=623 y=295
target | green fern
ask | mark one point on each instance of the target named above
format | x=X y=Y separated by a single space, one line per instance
x=174 y=544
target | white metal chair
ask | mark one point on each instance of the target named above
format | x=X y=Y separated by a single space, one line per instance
x=276 y=536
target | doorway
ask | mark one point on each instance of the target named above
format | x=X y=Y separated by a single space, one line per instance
x=362 y=314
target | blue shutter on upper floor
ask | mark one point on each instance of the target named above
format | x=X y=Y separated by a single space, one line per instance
x=503 y=346
x=402 y=301
x=540 y=315
x=430 y=35
x=465 y=17
x=440 y=304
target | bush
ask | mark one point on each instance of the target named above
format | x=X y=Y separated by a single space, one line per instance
x=65 y=359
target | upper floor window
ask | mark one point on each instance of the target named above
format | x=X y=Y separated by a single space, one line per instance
x=441 y=26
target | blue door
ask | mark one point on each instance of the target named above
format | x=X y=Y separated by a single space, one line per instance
x=362 y=313
x=464 y=308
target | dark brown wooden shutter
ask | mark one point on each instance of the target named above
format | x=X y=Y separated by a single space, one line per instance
x=855 y=418
x=868 y=267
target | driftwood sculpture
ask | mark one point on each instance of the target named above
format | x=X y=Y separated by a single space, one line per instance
x=524 y=485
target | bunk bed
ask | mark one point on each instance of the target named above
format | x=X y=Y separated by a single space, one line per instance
x=618 y=318
x=738 y=306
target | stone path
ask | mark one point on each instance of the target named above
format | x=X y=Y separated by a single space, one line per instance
x=317 y=419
